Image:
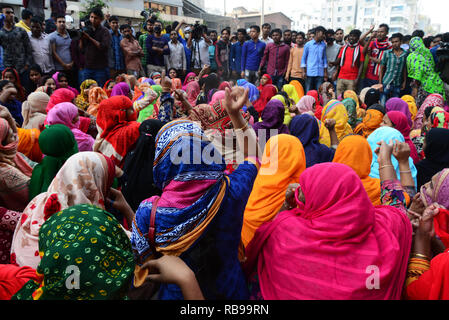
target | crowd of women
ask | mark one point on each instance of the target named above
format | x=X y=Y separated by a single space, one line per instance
x=307 y=196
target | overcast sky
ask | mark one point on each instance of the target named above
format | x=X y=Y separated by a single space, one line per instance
x=436 y=9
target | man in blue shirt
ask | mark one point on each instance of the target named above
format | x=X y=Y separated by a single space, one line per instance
x=116 y=59
x=252 y=53
x=157 y=48
x=314 y=60
x=236 y=54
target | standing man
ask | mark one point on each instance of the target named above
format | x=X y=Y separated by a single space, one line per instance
x=288 y=37
x=332 y=51
x=60 y=42
x=116 y=59
x=393 y=70
x=294 y=34
x=149 y=25
x=177 y=58
x=17 y=51
x=157 y=48
x=132 y=52
x=314 y=60
x=294 y=70
x=339 y=37
x=40 y=44
x=252 y=53
x=25 y=23
x=96 y=45
x=130 y=24
x=36 y=7
x=199 y=43
x=236 y=54
x=376 y=51
x=350 y=64
x=213 y=63
x=276 y=56
x=266 y=30
x=222 y=55
x=58 y=7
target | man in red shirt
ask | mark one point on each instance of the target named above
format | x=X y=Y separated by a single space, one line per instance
x=350 y=64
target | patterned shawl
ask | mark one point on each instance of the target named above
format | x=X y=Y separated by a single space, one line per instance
x=96 y=95
x=82 y=100
x=33 y=110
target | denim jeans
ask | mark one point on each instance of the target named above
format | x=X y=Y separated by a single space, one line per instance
x=389 y=91
x=278 y=81
x=251 y=76
x=313 y=83
x=99 y=75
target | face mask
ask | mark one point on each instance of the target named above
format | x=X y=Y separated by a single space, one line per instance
x=187 y=35
x=157 y=29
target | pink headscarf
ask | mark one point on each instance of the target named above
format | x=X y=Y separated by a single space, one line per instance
x=306 y=104
x=64 y=113
x=193 y=90
x=219 y=95
x=401 y=124
x=186 y=82
x=434 y=100
x=55 y=77
x=333 y=245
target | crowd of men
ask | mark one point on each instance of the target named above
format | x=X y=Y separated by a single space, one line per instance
x=103 y=47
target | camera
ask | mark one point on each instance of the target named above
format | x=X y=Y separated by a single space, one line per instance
x=88 y=28
x=198 y=30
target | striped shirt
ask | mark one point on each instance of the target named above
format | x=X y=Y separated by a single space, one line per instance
x=394 y=67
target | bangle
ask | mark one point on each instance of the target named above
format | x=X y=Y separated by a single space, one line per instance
x=405 y=171
x=386 y=166
x=421 y=256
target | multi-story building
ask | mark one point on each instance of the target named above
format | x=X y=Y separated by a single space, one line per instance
x=339 y=14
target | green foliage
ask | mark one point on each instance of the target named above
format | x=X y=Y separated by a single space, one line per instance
x=90 y=4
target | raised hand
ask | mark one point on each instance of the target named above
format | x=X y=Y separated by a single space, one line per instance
x=384 y=152
x=401 y=151
x=234 y=100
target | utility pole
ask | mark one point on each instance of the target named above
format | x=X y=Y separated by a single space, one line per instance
x=224 y=5
x=263 y=13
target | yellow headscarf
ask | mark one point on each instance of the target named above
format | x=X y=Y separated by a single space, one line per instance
x=82 y=100
x=334 y=110
x=411 y=105
x=291 y=91
x=283 y=162
x=287 y=116
x=298 y=87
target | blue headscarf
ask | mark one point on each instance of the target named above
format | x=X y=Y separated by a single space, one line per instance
x=253 y=91
x=305 y=128
x=388 y=135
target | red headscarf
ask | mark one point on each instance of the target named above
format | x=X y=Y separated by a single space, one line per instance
x=268 y=91
x=270 y=81
x=105 y=87
x=224 y=85
x=59 y=96
x=117 y=129
x=318 y=107
x=400 y=123
x=329 y=247
x=20 y=90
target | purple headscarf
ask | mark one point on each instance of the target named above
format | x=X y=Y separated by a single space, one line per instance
x=272 y=118
x=121 y=89
x=397 y=104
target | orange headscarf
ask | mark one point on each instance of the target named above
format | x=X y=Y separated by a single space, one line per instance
x=29 y=144
x=371 y=121
x=96 y=95
x=411 y=105
x=355 y=152
x=283 y=162
x=298 y=87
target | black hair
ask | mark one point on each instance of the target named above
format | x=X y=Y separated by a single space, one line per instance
x=294 y=32
x=4 y=6
x=428 y=111
x=398 y=35
x=212 y=31
x=62 y=75
x=242 y=30
x=330 y=31
x=212 y=82
x=173 y=69
x=346 y=37
x=36 y=67
x=440 y=35
x=286 y=97
x=26 y=14
x=384 y=25
x=36 y=20
x=125 y=26
x=356 y=32
x=114 y=18
x=225 y=29
x=98 y=12
x=428 y=41
x=59 y=16
x=445 y=37
x=320 y=28
x=44 y=79
x=407 y=38
x=257 y=28
x=418 y=33
x=312 y=31
x=277 y=31
x=168 y=29
x=3 y=84
x=288 y=30
x=266 y=25
x=300 y=33
x=339 y=29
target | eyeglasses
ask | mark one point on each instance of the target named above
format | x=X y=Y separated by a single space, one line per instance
x=9 y=12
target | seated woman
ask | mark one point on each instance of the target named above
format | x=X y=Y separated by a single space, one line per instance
x=12 y=76
x=272 y=121
x=8 y=98
x=306 y=105
x=47 y=85
x=267 y=91
x=57 y=144
x=201 y=205
x=330 y=240
x=85 y=178
x=371 y=121
x=118 y=130
x=397 y=104
x=34 y=78
x=189 y=78
x=62 y=81
x=15 y=172
x=96 y=95
x=33 y=110
x=66 y=113
x=82 y=100
x=337 y=111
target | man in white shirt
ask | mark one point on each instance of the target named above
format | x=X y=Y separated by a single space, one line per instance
x=40 y=44
x=266 y=30
x=199 y=45
x=177 y=57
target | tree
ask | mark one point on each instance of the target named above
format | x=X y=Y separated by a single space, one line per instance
x=90 y=4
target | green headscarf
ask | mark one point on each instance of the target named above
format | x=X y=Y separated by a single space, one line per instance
x=351 y=107
x=148 y=111
x=86 y=239
x=58 y=144
x=421 y=67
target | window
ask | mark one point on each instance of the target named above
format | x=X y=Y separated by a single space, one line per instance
x=369 y=11
x=338 y=19
x=349 y=8
x=340 y=9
